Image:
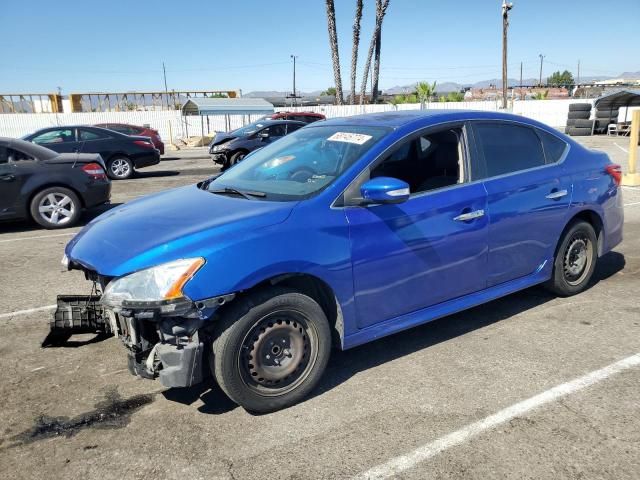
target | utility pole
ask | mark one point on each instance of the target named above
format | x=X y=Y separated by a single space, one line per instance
x=578 y=82
x=541 y=60
x=505 y=26
x=293 y=98
x=520 y=80
x=166 y=90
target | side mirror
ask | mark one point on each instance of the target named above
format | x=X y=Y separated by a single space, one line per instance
x=385 y=190
x=263 y=135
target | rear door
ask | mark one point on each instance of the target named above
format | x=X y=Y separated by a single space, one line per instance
x=527 y=197
x=61 y=140
x=94 y=141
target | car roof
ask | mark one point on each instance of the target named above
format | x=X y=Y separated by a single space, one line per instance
x=90 y=127
x=396 y=119
x=269 y=121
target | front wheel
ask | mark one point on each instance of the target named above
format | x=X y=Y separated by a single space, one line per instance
x=575 y=260
x=271 y=349
x=236 y=158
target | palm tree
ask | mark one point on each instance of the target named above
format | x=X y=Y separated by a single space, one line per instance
x=381 y=10
x=333 y=43
x=425 y=91
x=354 y=50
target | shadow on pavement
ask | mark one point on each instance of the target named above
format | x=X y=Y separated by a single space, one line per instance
x=344 y=364
x=18 y=226
x=157 y=173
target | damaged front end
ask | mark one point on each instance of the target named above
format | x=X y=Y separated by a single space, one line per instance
x=167 y=335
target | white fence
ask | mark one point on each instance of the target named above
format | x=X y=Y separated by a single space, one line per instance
x=551 y=112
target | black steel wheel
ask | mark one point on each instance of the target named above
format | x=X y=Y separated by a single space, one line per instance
x=271 y=348
x=575 y=260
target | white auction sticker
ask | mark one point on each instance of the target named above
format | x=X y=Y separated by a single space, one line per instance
x=357 y=138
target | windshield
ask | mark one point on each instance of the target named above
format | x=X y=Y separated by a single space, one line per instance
x=249 y=129
x=301 y=164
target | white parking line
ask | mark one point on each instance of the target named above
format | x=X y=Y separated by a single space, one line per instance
x=631 y=204
x=621 y=148
x=25 y=312
x=405 y=462
x=17 y=239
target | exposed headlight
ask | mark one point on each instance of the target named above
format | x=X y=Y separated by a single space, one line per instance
x=217 y=148
x=157 y=286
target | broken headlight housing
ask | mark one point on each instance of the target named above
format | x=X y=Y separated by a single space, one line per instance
x=155 y=287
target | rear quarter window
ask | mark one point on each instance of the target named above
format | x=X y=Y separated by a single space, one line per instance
x=554 y=147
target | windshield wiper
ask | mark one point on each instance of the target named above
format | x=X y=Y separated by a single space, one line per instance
x=233 y=191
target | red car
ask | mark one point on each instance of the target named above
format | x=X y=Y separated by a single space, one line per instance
x=138 y=131
x=306 y=117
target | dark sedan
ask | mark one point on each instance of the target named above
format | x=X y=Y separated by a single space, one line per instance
x=229 y=148
x=123 y=154
x=49 y=187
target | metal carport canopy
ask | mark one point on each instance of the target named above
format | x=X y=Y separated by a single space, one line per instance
x=227 y=106
x=621 y=98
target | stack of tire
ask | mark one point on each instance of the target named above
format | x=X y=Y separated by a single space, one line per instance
x=604 y=118
x=578 y=123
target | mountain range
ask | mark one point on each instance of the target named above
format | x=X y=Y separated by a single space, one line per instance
x=445 y=87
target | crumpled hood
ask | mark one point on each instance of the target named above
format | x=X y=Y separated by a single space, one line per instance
x=180 y=223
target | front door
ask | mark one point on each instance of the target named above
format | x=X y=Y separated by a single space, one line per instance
x=428 y=250
x=15 y=167
x=61 y=140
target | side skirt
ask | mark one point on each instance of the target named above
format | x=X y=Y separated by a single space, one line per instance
x=449 y=307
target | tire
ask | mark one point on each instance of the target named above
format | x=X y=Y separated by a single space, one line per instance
x=579 y=115
x=580 y=123
x=119 y=168
x=271 y=348
x=571 y=122
x=55 y=207
x=237 y=158
x=603 y=123
x=580 y=107
x=571 y=274
x=607 y=113
x=578 y=131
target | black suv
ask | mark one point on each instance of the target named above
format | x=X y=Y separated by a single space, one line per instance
x=229 y=148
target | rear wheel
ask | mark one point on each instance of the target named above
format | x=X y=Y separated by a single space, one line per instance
x=271 y=349
x=120 y=168
x=55 y=207
x=575 y=260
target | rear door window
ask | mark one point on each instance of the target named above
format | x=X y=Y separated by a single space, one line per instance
x=88 y=135
x=508 y=148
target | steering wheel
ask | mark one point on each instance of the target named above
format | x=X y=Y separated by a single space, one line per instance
x=302 y=174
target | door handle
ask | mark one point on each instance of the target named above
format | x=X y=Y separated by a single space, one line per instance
x=7 y=177
x=465 y=217
x=557 y=194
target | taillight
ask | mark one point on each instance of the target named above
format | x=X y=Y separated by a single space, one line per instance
x=615 y=171
x=143 y=143
x=95 y=171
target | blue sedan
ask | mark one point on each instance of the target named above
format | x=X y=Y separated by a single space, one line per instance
x=341 y=233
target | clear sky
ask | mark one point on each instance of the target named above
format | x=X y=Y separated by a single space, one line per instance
x=118 y=45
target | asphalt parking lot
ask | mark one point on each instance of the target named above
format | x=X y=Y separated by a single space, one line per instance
x=413 y=405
